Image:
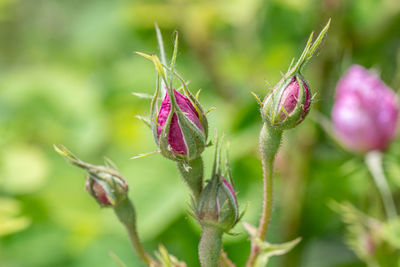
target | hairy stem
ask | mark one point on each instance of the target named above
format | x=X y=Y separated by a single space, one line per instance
x=192 y=173
x=210 y=246
x=270 y=141
x=126 y=214
x=374 y=162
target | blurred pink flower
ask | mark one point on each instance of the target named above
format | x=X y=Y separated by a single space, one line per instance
x=365 y=112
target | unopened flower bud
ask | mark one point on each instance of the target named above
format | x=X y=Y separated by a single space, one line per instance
x=99 y=194
x=288 y=103
x=179 y=125
x=107 y=188
x=365 y=112
x=180 y=128
x=218 y=204
x=104 y=183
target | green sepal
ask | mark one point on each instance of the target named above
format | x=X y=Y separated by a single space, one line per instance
x=195 y=139
x=154 y=111
x=164 y=146
x=196 y=104
x=207 y=212
x=217 y=205
x=229 y=211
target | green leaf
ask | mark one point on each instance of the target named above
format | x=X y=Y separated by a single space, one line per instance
x=268 y=250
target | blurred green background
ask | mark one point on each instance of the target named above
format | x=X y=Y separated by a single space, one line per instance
x=67 y=70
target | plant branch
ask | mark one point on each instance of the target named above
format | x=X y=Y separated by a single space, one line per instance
x=192 y=173
x=270 y=140
x=126 y=214
x=210 y=246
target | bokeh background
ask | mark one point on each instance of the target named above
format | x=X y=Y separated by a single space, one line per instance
x=67 y=71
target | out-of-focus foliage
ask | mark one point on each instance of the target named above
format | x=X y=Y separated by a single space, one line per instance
x=373 y=241
x=10 y=222
x=67 y=70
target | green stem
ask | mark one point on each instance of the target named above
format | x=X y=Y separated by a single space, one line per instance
x=126 y=214
x=192 y=173
x=374 y=162
x=270 y=141
x=210 y=246
x=225 y=261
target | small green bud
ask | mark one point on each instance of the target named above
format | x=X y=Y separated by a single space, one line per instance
x=218 y=204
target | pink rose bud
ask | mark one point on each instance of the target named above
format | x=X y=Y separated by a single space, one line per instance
x=365 y=112
x=179 y=125
x=106 y=187
x=95 y=189
x=290 y=100
x=288 y=104
x=182 y=135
